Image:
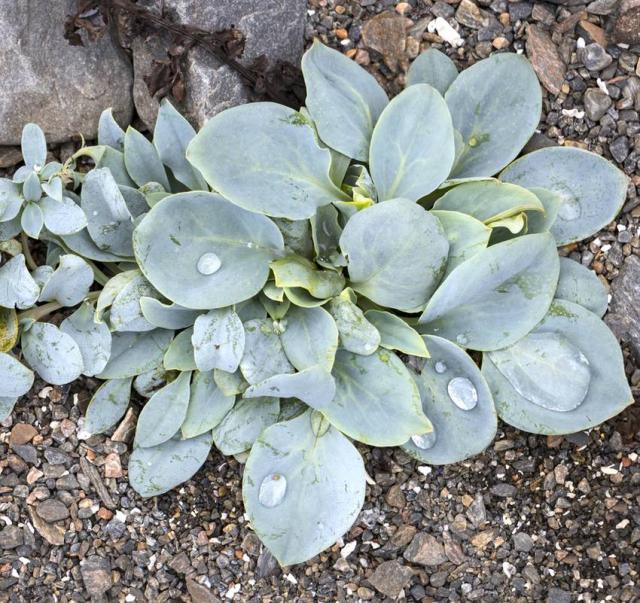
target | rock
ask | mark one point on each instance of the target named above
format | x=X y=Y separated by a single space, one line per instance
x=594 y=57
x=390 y=578
x=52 y=510
x=211 y=86
x=112 y=466
x=623 y=317
x=425 y=550
x=9 y=156
x=96 y=575
x=469 y=15
x=477 y=512
x=545 y=59
x=180 y=563
x=395 y=497
x=592 y=33
x=602 y=7
x=522 y=542
x=63 y=88
x=200 y=593
x=482 y=539
x=519 y=11
x=627 y=25
x=503 y=490
x=56 y=457
x=11 y=537
x=619 y=148
x=52 y=533
x=557 y=595
x=266 y=565
x=22 y=433
x=385 y=33
x=596 y=103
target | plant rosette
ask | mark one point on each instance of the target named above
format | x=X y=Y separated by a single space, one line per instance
x=284 y=283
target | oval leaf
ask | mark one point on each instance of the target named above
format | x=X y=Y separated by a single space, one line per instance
x=412 y=146
x=434 y=68
x=15 y=378
x=495 y=106
x=376 y=400
x=580 y=285
x=107 y=405
x=397 y=253
x=218 y=340
x=202 y=252
x=207 y=405
x=608 y=392
x=458 y=434
x=17 y=287
x=343 y=99
x=54 y=355
x=70 y=282
x=264 y=158
x=164 y=413
x=592 y=189
x=154 y=471
x=321 y=489
x=496 y=297
x=396 y=334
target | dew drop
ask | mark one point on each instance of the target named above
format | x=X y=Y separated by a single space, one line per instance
x=440 y=367
x=462 y=393
x=272 y=490
x=424 y=441
x=569 y=209
x=208 y=263
x=462 y=340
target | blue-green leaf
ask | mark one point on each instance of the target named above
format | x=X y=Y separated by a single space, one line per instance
x=434 y=68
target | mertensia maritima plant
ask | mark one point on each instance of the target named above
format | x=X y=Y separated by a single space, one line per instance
x=284 y=283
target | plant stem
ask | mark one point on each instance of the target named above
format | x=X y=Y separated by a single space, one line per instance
x=100 y=276
x=40 y=311
x=24 y=240
x=46 y=309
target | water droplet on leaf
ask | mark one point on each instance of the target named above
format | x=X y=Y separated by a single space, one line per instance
x=440 y=367
x=208 y=263
x=462 y=340
x=462 y=393
x=424 y=441
x=569 y=208
x=272 y=490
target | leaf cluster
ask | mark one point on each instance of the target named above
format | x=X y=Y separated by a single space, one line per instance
x=283 y=283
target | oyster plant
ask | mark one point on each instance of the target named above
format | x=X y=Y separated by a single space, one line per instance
x=285 y=283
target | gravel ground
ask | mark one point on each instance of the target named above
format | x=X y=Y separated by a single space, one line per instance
x=534 y=518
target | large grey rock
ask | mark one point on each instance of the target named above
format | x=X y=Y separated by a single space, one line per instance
x=623 y=317
x=273 y=28
x=63 y=88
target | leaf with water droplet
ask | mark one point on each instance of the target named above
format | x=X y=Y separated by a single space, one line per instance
x=457 y=400
x=319 y=497
x=591 y=188
x=172 y=238
x=588 y=346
